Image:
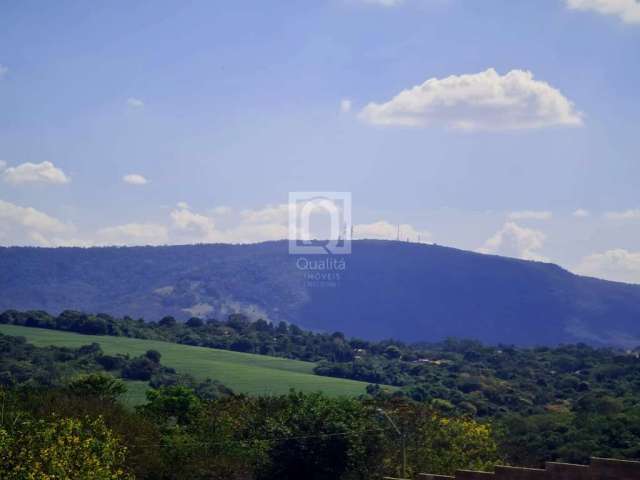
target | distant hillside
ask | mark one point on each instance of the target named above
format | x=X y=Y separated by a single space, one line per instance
x=387 y=289
x=242 y=372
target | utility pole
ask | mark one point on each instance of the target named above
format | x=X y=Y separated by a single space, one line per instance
x=403 y=440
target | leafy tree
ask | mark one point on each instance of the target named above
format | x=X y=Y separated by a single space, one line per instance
x=110 y=362
x=139 y=369
x=176 y=402
x=99 y=385
x=238 y=321
x=392 y=352
x=243 y=345
x=437 y=443
x=74 y=449
x=153 y=355
x=195 y=322
x=167 y=322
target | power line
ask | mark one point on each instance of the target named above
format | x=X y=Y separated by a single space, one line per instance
x=273 y=439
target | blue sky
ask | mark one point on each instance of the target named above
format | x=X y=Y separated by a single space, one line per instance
x=174 y=122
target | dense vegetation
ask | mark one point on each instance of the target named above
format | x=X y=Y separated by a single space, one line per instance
x=22 y=364
x=25 y=365
x=461 y=375
x=564 y=403
x=237 y=333
x=178 y=434
x=388 y=289
x=242 y=372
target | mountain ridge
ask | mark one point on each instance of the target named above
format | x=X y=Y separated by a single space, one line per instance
x=387 y=289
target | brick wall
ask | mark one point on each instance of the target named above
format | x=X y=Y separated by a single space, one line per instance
x=599 y=469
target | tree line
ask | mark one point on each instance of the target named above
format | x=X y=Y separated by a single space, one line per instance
x=562 y=403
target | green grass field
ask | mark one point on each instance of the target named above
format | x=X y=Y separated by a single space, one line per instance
x=242 y=372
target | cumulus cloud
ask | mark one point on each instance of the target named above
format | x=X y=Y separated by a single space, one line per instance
x=618 y=264
x=186 y=220
x=481 y=101
x=250 y=233
x=631 y=214
x=512 y=240
x=627 y=10
x=135 y=179
x=581 y=213
x=45 y=172
x=383 y=230
x=135 y=102
x=278 y=214
x=345 y=105
x=221 y=210
x=268 y=223
x=133 y=234
x=530 y=215
x=26 y=225
x=3 y=71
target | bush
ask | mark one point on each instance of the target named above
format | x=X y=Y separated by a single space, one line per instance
x=195 y=322
x=139 y=369
x=61 y=448
x=153 y=355
x=102 y=386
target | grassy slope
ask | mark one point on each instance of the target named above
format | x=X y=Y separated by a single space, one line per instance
x=242 y=372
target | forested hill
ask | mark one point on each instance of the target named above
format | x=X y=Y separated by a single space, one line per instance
x=384 y=289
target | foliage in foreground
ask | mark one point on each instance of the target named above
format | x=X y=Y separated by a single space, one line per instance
x=546 y=404
x=60 y=448
x=179 y=435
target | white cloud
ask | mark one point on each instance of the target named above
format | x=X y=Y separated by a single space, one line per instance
x=619 y=265
x=345 y=105
x=250 y=233
x=30 y=218
x=135 y=179
x=221 y=210
x=44 y=172
x=183 y=205
x=512 y=240
x=632 y=214
x=3 y=71
x=278 y=214
x=184 y=219
x=20 y=225
x=3 y=164
x=581 y=213
x=627 y=10
x=133 y=234
x=481 y=101
x=530 y=215
x=383 y=230
x=268 y=223
x=135 y=102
